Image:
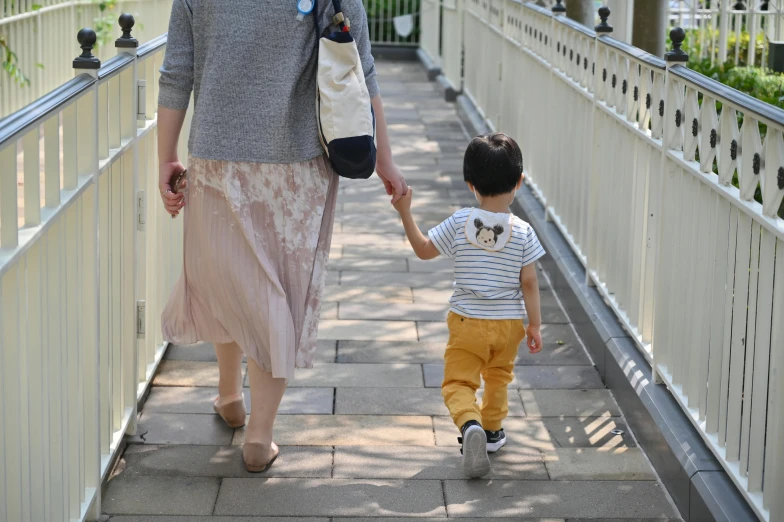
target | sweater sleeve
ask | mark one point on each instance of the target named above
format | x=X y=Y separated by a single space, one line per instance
x=176 y=81
x=359 y=30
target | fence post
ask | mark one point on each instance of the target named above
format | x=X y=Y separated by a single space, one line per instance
x=129 y=93
x=724 y=28
x=86 y=125
x=673 y=57
x=590 y=251
x=558 y=10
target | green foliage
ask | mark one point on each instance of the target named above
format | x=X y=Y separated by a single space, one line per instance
x=381 y=12
x=104 y=25
x=9 y=64
x=705 y=42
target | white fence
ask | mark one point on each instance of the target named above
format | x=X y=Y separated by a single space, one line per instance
x=634 y=159
x=41 y=33
x=84 y=243
x=381 y=21
x=717 y=21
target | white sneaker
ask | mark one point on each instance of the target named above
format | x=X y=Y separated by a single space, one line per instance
x=475 y=460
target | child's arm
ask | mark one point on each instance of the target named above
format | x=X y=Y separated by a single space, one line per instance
x=423 y=247
x=530 y=286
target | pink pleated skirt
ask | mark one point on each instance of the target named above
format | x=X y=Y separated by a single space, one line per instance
x=257 y=240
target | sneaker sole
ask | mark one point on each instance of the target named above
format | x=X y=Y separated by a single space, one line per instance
x=492 y=447
x=475 y=460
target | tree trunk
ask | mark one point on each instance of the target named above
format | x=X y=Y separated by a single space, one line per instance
x=582 y=11
x=649 y=28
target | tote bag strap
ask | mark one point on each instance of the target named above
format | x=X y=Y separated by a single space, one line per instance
x=338 y=19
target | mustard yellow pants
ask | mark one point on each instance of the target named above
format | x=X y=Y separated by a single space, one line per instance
x=480 y=348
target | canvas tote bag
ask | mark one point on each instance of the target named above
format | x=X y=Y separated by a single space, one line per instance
x=347 y=124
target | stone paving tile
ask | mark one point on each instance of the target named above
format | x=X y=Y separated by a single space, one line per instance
x=187 y=373
x=592 y=464
x=439 y=264
x=533 y=377
x=561 y=346
x=498 y=498
x=367 y=330
x=589 y=433
x=163 y=399
x=569 y=403
x=394 y=311
x=142 y=495
x=368 y=239
x=421 y=463
x=204 y=352
x=223 y=461
x=390 y=352
x=390 y=294
x=524 y=436
x=383 y=251
x=432 y=295
x=370 y=265
x=402 y=401
x=176 y=518
x=333 y=278
x=433 y=331
x=411 y=280
x=329 y=310
x=462 y=520
x=178 y=428
x=314 y=497
x=349 y=430
x=359 y=376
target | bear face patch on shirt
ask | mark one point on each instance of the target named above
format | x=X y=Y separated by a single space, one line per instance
x=488 y=230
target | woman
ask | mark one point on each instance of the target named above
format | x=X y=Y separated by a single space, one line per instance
x=261 y=194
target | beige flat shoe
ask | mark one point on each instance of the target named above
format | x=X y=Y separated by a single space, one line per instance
x=233 y=413
x=259 y=457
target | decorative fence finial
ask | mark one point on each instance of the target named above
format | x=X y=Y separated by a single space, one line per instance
x=559 y=8
x=604 y=27
x=86 y=60
x=126 y=40
x=677 y=36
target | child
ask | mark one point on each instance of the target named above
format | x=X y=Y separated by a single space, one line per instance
x=495 y=284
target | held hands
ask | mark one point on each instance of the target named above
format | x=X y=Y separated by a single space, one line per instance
x=403 y=204
x=534 y=339
x=392 y=177
x=171 y=201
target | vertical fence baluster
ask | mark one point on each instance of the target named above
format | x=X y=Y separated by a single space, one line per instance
x=9 y=366
x=32 y=178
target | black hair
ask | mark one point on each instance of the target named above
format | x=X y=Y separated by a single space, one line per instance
x=493 y=164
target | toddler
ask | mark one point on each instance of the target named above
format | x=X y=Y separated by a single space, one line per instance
x=495 y=288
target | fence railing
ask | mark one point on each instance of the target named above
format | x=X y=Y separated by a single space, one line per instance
x=40 y=34
x=719 y=22
x=87 y=258
x=650 y=171
x=381 y=16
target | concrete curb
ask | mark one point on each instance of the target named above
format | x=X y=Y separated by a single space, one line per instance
x=450 y=91
x=394 y=53
x=433 y=70
x=695 y=479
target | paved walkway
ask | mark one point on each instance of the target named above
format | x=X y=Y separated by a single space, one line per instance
x=365 y=433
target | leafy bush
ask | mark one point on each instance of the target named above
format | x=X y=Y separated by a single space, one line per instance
x=699 y=41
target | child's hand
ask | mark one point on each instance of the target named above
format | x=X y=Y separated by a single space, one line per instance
x=403 y=205
x=534 y=339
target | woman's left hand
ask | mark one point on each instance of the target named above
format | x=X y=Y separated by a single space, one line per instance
x=393 y=179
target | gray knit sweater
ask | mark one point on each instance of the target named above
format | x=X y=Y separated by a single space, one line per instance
x=252 y=68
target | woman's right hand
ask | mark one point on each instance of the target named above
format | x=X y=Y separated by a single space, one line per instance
x=172 y=202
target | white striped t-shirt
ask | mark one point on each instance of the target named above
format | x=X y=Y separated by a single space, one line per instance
x=490 y=250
